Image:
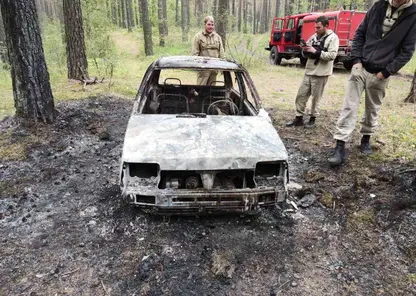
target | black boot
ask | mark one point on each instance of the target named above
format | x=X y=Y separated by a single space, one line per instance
x=297 y=122
x=311 y=122
x=338 y=156
x=365 y=145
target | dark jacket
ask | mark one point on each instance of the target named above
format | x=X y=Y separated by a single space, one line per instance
x=388 y=53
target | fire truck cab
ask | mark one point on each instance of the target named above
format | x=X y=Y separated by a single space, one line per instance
x=287 y=32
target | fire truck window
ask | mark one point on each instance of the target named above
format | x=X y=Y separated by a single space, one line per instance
x=278 y=25
x=299 y=31
x=291 y=24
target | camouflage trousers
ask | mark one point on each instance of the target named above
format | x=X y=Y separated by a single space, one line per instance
x=312 y=86
x=206 y=77
x=375 y=89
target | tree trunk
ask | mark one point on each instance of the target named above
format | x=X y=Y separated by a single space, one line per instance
x=188 y=13
x=254 y=17
x=177 y=13
x=239 y=17
x=222 y=21
x=2 y=33
x=123 y=13
x=325 y=4
x=60 y=11
x=160 y=22
x=277 y=11
x=75 y=44
x=185 y=22
x=50 y=9
x=138 y=21
x=245 y=4
x=265 y=18
x=39 y=7
x=3 y=47
x=312 y=5
x=129 y=15
x=114 y=12
x=119 y=13
x=233 y=14
x=147 y=29
x=411 y=98
x=165 y=17
x=32 y=92
x=199 y=10
x=215 y=9
x=107 y=7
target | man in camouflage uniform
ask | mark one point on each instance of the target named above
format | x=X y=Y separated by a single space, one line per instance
x=208 y=44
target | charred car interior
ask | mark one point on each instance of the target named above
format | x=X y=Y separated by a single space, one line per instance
x=192 y=149
x=222 y=97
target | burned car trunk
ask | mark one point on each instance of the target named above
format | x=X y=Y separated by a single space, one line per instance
x=201 y=149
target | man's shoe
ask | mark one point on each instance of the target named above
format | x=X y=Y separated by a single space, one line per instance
x=297 y=122
x=338 y=155
x=365 y=145
x=311 y=123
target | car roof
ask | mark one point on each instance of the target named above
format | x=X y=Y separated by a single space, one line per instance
x=196 y=62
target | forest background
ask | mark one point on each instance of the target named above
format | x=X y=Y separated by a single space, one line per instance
x=123 y=37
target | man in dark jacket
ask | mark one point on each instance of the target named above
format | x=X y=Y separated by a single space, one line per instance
x=383 y=43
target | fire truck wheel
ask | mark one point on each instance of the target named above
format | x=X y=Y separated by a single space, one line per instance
x=279 y=58
x=272 y=56
x=347 y=65
x=275 y=57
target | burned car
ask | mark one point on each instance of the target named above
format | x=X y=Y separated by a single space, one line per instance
x=192 y=148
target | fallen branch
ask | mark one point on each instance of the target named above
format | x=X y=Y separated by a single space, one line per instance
x=104 y=288
x=281 y=286
x=380 y=142
x=407 y=171
x=157 y=245
x=70 y=272
x=91 y=81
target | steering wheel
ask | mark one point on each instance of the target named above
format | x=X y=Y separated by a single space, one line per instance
x=219 y=105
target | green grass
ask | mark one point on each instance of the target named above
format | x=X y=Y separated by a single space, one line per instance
x=15 y=149
x=6 y=93
x=410 y=67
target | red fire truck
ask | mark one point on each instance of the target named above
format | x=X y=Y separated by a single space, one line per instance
x=288 y=31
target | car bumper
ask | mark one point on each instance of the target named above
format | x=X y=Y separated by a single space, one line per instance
x=201 y=201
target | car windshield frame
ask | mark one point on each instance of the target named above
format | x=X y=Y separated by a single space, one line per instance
x=235 y=76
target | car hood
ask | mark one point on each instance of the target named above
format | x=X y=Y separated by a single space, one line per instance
x=210 y=143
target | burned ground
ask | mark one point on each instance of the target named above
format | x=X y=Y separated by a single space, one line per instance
x=66 y=231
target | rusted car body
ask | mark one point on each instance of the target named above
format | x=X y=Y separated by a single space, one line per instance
x=201 y=148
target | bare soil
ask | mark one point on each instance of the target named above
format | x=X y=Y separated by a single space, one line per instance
x=66 y=231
